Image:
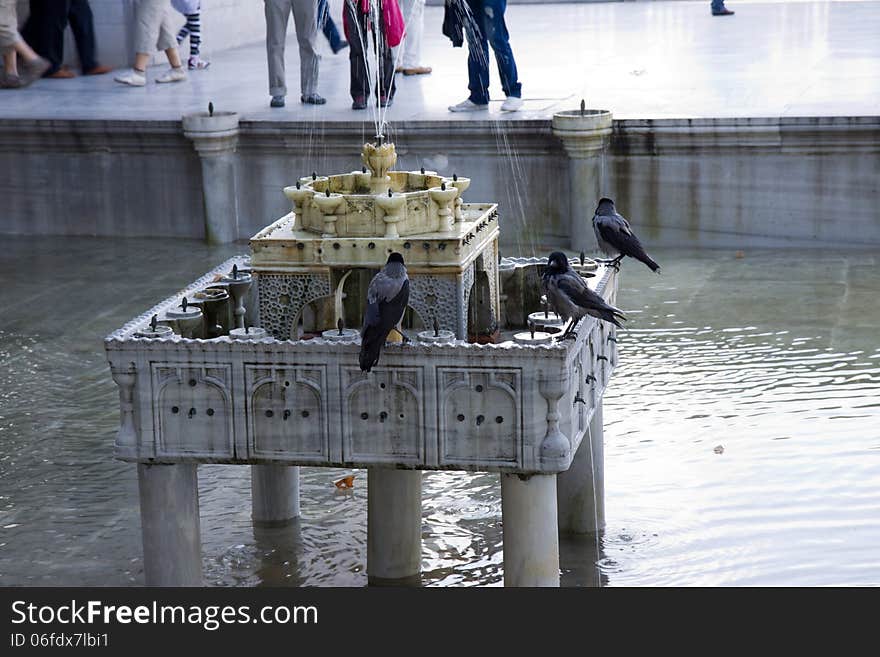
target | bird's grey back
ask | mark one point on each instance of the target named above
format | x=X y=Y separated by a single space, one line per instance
x=387 y=283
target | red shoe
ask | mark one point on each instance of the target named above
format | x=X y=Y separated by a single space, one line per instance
x=98 y=70
x=62 y=74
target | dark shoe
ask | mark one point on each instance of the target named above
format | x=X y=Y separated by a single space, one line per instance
x=98 y=70
x=723 y=12
x=277 y=101
x=359 y=103
x=385 y=101
x=313 y=99
x=61 y=74
x=342 y=45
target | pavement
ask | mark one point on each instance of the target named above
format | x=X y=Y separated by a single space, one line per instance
x=642 y=60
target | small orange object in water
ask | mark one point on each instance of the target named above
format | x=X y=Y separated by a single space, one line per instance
x=345 y=482
x=740 y=255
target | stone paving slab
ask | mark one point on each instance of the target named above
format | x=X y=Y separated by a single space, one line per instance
x=644 y=60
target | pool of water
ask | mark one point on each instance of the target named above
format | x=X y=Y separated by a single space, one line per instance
x=742 y=440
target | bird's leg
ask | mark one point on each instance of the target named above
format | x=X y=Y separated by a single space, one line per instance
x=568 y=329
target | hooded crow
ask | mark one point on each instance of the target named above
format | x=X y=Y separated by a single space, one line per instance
x=387 y=298
x=570 y=296
x=616 y=238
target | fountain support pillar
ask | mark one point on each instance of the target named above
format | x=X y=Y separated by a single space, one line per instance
x=169 y=496
x=394 y=524
x=215 y=139
x=580 y=490
x=584 y=136
x=531 y=538
x=274 y=494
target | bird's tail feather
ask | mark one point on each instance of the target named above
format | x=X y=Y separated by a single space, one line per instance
x=370 y=348
x=644 y=257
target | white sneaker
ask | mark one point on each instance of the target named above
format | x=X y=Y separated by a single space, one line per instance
x=467 y=105
x=173 y=75
x=511 y=104
x=133 y=78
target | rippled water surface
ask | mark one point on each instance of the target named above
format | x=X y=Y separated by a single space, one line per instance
x=742 y=441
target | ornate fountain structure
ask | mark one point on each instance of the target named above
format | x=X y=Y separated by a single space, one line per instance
x=256 y=367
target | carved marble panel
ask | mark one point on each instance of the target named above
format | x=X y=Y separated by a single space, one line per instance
x=192 y=410
x=479 y=416
x=287 y=412
x=382 y=415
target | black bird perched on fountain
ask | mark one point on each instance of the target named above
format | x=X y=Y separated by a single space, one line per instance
x=387 y=298
x=571 y=298
x=616 y=238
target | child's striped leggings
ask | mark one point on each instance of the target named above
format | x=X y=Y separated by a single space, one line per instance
x=193 y=29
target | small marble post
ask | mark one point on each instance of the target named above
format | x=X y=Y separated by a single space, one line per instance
x=394 y=524
x=215 y=139
x=274 y=494
x=169 y=497
x=584 y=136
x=531 y=538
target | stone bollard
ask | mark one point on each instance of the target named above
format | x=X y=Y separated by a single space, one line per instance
x=215 y=138
x=584 y=135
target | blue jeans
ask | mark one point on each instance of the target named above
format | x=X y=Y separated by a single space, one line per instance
x=328 y=27
x=717 y=5
x=489 y=17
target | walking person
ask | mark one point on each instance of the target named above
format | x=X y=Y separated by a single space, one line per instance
x=358 y=21
x=328 y=27
x=13 y=47
x=153 y=30
x=191 y=10
x=306 y=23
x=490 y=29
x=410 y=59
x=44 y=30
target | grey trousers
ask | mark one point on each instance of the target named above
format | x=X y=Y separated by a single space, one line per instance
x=306 y=22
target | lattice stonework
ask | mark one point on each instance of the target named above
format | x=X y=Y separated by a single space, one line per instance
x=282 y=296
x=437 y=297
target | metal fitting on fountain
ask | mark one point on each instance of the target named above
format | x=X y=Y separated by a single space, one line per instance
x=437 y=336
x=340 y=333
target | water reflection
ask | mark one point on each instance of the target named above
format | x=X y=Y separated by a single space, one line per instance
x=720 y=351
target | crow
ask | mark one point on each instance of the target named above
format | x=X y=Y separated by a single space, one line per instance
x=616 y=238
x=387 y=298
x=570 y=296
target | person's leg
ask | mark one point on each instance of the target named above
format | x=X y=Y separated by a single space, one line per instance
x=194 y=27
x=478 y=55
x=359 y=83
x=306 y=21
x=167 y=40
x=386 y=61
x=499 y=39
x=717 y=5
x=277 y=14
x=414 y=17
x=83 y=28
x=44 y=30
